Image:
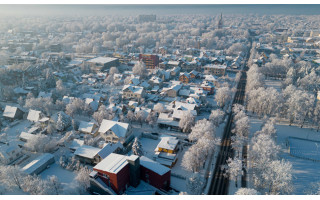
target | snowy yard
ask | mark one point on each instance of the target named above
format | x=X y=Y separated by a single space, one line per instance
x=66 y=178
x=304 y=171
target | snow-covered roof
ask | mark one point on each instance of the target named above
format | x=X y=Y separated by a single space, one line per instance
x=179 y=113
x=108 y=149
x=31 y=167
x=133 y=89
x=76 y=143
x=118 y=128
x=5 y=150
x=178 y=105
x=101 y=60
x=153 y=166
x=215 y=66
x=184 y=92
x=169 y=143
x=27 y=136
x=10 y=111
x=87 y=151
x=34 y=115
x=112 y=163
x=165 y=118
x=86 y=127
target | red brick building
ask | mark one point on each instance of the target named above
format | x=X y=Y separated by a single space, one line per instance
x=114 y=171
x=154 y=173
x=151 y=61
x=119 y=172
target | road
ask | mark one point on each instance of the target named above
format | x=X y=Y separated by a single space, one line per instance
x=219 y=184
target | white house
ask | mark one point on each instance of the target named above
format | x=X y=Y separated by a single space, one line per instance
x=9 y=153
x=113 y=131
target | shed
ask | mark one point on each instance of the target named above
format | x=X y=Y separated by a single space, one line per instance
x=39 y=164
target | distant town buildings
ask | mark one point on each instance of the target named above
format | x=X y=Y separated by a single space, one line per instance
x=151 y=61
x=147 y=18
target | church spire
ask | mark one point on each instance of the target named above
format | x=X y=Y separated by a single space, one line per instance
x=220 y=23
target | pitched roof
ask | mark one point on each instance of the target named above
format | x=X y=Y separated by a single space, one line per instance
x=34 y=115
x=133 y=89
x=86 y=127
x=118 y=128
x=87 y=151
x=10 y=111
x=108 y=149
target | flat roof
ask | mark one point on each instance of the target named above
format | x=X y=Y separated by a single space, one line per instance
x=102 y=60
x=112 y=164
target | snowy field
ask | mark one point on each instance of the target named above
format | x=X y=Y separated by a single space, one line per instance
x=302 y=148
x=273 y=83
x=304 y=171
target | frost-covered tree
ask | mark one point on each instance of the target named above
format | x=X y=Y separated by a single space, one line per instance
x=78 y=107
x=41 y=143
x=152 y=118
x=195 y=184
x=223 y=96
x=113 y=70
x=130 y=116
x=11 y=176
x=203 y=128
x=83 y=180
x=159 y=108
x=62 y=122
x=186 y=121
x=278 y=177
x=242 y=127
x=140 y=69
x=141 y=116
x=216 y=117
x=246 y=191
x=102 y=113
x=137 y=147
x=234 y=169
x=44 y=105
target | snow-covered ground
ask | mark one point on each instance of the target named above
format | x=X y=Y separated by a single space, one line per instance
x=304 y=171
x=66 y=177
x=303 y=148
x=273 y=83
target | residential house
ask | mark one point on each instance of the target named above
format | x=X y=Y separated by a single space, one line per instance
x=184 y=77
x=90 y=128
x=208 y=86
x=9 y=153
x=114 y=132
x=133 y=92
x=34 y=115
x=218 y=70
x=87 y=154
x=172 y=91
x=13 y=112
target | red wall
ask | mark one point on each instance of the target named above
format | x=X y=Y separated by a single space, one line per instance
x=155 y=179
x=118 y=181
